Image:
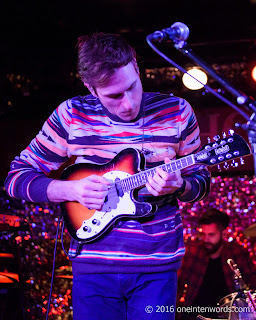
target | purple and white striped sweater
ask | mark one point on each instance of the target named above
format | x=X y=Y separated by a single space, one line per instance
x=83 y=128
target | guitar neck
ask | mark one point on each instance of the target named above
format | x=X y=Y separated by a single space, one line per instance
x=140 y=179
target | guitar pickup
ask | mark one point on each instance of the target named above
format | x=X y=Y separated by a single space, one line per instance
x=118 y=186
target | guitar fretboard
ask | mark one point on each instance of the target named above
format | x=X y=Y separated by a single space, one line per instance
x=140 y=179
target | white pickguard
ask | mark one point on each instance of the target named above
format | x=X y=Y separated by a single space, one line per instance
x=115 y=206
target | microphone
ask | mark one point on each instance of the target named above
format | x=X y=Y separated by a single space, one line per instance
x=178 y=31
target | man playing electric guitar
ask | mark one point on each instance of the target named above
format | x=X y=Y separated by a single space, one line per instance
x=130 y=271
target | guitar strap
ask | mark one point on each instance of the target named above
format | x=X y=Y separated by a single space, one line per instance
x=144 y=151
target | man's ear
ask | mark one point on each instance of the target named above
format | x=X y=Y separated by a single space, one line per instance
x=136 y=66
x=91 y=89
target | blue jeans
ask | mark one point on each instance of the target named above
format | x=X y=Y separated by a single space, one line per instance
x=125 y=296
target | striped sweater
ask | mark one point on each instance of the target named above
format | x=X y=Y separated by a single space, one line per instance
x=166 y=126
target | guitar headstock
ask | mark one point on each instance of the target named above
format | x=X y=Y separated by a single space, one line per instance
x=222 y=150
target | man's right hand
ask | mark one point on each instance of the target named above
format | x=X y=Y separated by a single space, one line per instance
x=90 y=191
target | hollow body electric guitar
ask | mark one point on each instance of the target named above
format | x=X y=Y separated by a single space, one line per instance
x=126 y=174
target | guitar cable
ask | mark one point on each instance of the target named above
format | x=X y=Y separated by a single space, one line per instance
x=62 y=243
x=53 y=267
x=60 y=219
x=62 y=235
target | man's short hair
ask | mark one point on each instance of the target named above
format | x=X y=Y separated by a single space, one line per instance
x=99 y=54
x=215 y=216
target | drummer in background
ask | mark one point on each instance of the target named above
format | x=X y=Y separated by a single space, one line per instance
x=205 y=277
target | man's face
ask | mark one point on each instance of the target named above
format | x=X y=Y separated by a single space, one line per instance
x=122 y=95
x=212 y=237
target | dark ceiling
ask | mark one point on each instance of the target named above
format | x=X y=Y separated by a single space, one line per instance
x=38 y=39
x=56 y=24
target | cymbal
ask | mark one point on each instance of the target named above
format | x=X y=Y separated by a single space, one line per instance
x=250 y=231
x=65 y=276
x=8 y=277
x=6 y=255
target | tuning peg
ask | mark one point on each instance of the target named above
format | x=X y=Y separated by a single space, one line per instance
x=241 y=125
x=224 y=134
x=234 y=164
x=222 y=142
x=216 y=138
x=241 y=161
x=208 y=139
x=231 y=132
x=226 y=166
x=219 y=168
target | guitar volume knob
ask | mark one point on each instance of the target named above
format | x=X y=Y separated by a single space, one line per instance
x=87 y=229
x=96 y=222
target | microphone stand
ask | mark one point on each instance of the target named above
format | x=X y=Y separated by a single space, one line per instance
x=240 y=286
x=241 y=98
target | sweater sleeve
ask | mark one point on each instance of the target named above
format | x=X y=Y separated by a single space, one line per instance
x=28 y=176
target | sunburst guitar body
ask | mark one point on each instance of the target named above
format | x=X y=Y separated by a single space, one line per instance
x=126 y=173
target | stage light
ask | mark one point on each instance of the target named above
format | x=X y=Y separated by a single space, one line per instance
x=191 y=83
x=254 y=73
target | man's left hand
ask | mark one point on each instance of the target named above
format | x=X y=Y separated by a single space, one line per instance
x=163 y=182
